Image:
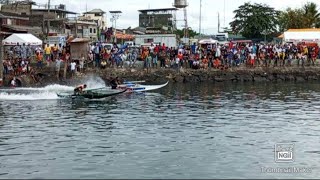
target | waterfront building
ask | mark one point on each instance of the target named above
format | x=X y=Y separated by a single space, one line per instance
x=14 y=18
x=83 y=29
x=97 y=16
x=163 y=19
x=53 y=20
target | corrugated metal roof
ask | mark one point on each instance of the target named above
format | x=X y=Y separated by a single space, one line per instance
x=93 y=11
x=304 y=30
x=157 y=10
x=22 y=28
x=12 y=16
x=78 y=40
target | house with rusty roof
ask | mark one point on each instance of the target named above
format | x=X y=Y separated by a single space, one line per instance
x=13 y=23
x=14 y=18
x=41 y=20
x=53 y=19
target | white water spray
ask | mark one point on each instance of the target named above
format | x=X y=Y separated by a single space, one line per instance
x=48 y=92
x=30 y=96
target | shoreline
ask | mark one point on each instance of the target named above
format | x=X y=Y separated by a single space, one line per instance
x=236 y=74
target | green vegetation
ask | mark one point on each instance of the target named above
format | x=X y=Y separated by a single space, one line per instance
x=253 y=20
x=180 y=33
x=256 y=20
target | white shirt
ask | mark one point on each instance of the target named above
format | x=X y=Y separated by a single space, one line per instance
x=73 y=66
x=82 y=61
x=13 y=82
x=180 y=50
x=218 y=52
x=177 y=60
x=58 y=63
x=152 y=49
x=252 y=56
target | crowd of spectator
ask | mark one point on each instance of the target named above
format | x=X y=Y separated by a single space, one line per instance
x=196 y=56
x=207 y=56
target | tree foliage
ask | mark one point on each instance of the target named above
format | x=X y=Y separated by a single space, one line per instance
x=291 y=19
x=305 y=17
x=254 y=20
x=311 y=15
x=180 y=33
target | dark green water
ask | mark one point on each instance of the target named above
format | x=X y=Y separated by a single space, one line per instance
x=180 y=131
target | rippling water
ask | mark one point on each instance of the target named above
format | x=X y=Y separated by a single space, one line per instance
x=180 y=131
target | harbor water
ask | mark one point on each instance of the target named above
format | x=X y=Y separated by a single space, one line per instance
x=198 y=130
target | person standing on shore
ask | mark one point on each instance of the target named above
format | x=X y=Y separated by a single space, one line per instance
x=97 y=55
x=81 y=63
x=47 y=54
x=252 y=59
x=23 y=51
x=73 y=68
x=162 y=58
x=148 y=61
x=39 y=57
x=58 y=66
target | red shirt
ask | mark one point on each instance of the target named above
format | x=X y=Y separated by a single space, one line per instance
x=156 y=49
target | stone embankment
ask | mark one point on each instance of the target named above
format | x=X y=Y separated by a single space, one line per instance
x=238 y=74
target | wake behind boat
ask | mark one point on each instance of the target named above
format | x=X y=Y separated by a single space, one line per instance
x=93 y=93
x=133 y=87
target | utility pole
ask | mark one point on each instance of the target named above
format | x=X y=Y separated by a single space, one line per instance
x=48 y=20
x=218 y=22
x=115 y=15
x=224 y=13
x=264 y=32
x=200 y=17
x=86 y=6
x=76 y=26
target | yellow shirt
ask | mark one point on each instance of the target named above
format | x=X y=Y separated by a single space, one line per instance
x=305 y=50
x=47 y=50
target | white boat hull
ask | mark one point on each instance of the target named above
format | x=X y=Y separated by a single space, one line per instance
x=141 y=88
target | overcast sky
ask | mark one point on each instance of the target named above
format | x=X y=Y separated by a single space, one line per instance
x=210 y=9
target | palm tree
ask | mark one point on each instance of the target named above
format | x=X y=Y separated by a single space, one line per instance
x=312 y=15
x=292 y=19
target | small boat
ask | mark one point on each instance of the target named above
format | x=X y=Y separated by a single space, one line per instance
x=133 y=82
x=93 y=94
x=132 y=87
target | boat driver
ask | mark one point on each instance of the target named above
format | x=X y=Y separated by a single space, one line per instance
x=114 y=83
x=80 y=89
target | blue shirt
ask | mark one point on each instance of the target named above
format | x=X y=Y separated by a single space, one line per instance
x=193 y=48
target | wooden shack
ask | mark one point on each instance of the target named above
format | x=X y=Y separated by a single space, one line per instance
x=78 y=47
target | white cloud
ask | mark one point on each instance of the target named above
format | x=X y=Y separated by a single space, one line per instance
x=210 y=9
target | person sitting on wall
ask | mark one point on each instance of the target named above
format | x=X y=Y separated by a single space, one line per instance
x=103 y=64
x=13 y=83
